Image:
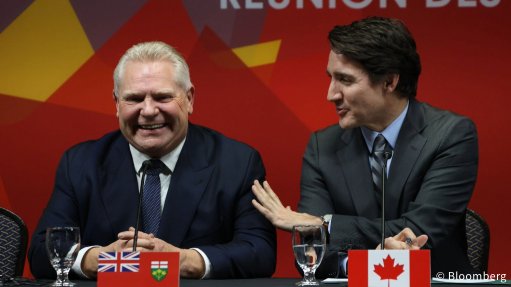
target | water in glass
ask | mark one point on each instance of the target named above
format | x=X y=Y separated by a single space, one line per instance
x=309 y=244
x=62 y=245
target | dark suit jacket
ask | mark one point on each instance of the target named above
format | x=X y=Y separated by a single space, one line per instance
x=430 y=182
x=208 y=205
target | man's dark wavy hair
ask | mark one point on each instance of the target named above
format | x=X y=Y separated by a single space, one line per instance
x=382 y=46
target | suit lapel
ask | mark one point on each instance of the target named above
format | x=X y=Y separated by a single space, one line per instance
x=407 y=150
x=354 y=162
x=188 y=183
x=118 y=186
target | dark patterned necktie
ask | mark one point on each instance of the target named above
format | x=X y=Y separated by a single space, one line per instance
x=377 y=158
x=151 y=201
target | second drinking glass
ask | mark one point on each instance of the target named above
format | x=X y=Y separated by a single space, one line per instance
x=309 y=245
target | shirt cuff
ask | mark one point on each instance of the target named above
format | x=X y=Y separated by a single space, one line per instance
x=77 y=266
x=207 y=263
x=344 y=266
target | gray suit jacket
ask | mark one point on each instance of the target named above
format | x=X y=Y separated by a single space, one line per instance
x=430 y=182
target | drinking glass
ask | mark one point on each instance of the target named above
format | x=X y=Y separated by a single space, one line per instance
x=309 y=244
x=62 y=245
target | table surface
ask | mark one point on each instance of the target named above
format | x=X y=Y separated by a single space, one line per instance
x=261 y=282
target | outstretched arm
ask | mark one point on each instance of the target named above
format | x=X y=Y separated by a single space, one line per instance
x=269 y=204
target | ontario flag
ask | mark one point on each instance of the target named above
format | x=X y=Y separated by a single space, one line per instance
x=126 y=269
x=389 y=268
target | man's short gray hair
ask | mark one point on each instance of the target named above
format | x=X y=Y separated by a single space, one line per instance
x=154 y=51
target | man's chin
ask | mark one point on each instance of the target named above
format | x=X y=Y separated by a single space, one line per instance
x=346 y=124
x=151 y=148
x=153 y=152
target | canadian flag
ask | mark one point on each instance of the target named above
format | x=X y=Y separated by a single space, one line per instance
x=389 y=268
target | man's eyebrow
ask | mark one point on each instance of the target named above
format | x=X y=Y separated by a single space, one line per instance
x=163 y=93
x=132 y=94
x=338 y=74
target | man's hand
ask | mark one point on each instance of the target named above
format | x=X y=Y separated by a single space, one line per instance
x=268 y=203
x=191 y=262
x=89 y=263
x=405 y=239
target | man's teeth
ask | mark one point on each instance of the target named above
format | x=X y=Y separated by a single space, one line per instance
x=151 y=127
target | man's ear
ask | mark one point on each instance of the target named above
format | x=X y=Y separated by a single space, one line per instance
x=390 y=82
x=190 y=95
x=116 y=101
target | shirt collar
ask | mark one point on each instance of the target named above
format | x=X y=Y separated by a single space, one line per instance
x=390 y=133
x=170 y=159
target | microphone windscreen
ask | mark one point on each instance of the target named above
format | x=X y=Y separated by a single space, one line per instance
x=146 y=164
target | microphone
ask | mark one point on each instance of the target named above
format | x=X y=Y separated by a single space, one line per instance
x=386 y=156
x=145 y=166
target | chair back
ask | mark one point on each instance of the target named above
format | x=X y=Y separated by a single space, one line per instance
x=478 y=241
x=13 y=244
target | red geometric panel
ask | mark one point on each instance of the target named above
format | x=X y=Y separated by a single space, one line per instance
x=32 y=148
x=90 y=88
x=15 y=109
x=4 y=199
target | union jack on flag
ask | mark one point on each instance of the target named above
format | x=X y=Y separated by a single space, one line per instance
x=119 y=261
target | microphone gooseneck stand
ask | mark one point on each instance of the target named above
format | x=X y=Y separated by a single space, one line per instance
x=145 y=165
x=386 y=156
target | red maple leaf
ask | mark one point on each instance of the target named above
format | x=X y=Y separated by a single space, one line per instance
x=388 y=271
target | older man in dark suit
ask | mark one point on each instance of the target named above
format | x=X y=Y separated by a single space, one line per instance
x=431 y=154
x=200 y=201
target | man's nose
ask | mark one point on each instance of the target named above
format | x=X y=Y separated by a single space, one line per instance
x=149 y=107
x=334 y=92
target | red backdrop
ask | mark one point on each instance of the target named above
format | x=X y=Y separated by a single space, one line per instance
x=274 y=106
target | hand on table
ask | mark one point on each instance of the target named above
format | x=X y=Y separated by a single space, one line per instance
x=191 y=262
x=405 y=239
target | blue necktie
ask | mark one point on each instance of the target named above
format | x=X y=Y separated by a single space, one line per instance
x=151 y=201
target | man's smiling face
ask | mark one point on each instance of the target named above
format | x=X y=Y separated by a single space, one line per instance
x=152 y=108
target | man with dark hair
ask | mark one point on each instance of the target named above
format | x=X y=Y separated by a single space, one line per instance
x=382 y=46
x=432 y=154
